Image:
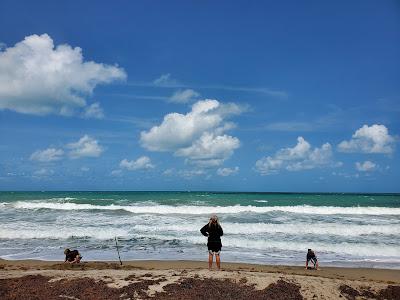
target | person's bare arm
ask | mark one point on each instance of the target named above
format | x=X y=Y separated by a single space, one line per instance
x=76 y=260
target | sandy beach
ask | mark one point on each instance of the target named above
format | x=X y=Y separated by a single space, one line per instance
x=31 y=279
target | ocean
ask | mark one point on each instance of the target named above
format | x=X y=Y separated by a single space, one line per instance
x=352 y=230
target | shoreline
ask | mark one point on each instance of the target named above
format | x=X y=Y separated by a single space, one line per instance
x=161 y=279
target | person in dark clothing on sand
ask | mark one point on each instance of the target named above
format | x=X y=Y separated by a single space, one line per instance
x=213 y=231
x=72 y=257
x=311 y=256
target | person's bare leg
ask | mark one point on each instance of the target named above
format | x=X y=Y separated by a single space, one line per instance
x=317 y=265
x=210 y=261
x=306 y=264
x=218 y=261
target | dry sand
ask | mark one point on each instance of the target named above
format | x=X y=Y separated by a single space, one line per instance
x=29 y=279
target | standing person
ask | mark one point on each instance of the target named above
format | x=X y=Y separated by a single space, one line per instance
x=311 y=256
x=213 y=231
x=72 y=257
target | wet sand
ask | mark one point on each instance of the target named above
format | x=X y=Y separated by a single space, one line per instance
x=32 y=279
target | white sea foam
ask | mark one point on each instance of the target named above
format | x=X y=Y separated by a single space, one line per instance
x=124 y=227
x=357 y=249
x=206 y=210
x=61 y=233
x=61 y=199
x=247 y=243
x=345 y=230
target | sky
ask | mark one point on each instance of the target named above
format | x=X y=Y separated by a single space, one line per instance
x=200 y=95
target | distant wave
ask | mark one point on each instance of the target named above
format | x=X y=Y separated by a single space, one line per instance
x=205 y=210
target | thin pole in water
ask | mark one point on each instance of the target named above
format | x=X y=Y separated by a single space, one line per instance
x=116 y=244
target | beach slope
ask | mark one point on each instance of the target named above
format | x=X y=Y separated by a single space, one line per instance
x=29 y=279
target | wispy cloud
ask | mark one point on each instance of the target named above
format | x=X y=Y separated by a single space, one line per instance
x=167 y=81
x=290 y=126
x=142 y=123
x=184 y=96
x=331 y=119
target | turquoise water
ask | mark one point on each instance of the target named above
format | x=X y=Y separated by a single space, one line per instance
x=272 y=228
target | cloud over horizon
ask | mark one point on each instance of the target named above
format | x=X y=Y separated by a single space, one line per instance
x=142 y=163
x=199 y=136
x=369 y=139
x=85 y=147
x=227 y=171
x=47 y=155
x=300 y=157
x=366 y=166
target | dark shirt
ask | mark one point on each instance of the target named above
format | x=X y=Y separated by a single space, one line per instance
x=70 y=256
x=310 y=254
x=214 y=232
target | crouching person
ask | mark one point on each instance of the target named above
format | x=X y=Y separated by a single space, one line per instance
x=313 y=258
x=72 y=257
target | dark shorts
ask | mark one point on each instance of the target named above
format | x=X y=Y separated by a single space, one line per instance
x=313 y=259
x=214 y=247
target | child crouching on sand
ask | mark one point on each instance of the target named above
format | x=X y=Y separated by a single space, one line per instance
x=72 y=257
x=213 y=231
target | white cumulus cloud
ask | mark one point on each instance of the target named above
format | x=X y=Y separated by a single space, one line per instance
x=184 y=96
x=199 y=136
x=369 y=139
x=47 y=155
x=300 y=157
x=85 y=147
x=38 y=78
x=142 y=163
x=366 y=166
x=227 y=171
x=210 y=149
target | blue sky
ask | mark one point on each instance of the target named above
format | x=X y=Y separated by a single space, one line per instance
x=185 y=95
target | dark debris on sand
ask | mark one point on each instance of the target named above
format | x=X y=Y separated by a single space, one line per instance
x=349 y=292
x=392 y=292
x=217 y=289
x=38 y=287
